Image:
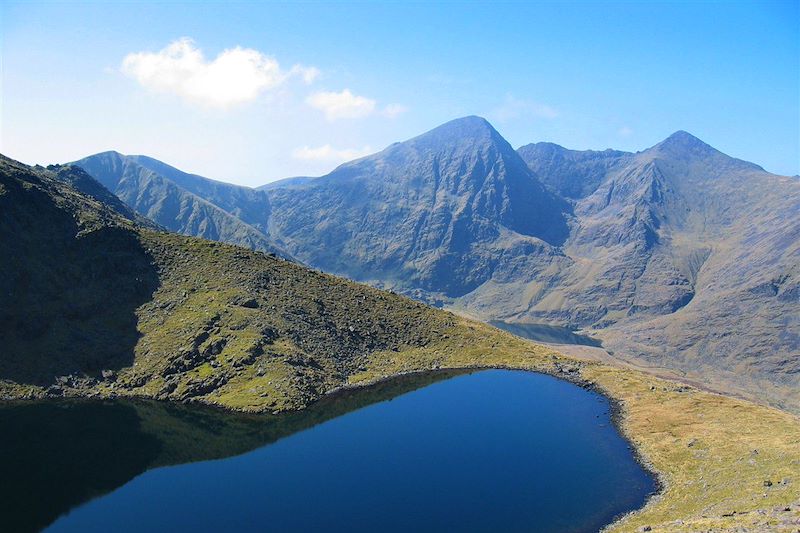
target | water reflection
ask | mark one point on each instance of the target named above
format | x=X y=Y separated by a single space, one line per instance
x=57 y=455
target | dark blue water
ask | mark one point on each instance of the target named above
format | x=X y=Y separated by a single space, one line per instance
x=490 y=451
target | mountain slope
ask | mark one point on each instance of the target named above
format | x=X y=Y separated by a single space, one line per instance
x=437 y=212
x=176 y=200
x=571 y=173
x=99 y=305
x=683 y=257
x=248 y=205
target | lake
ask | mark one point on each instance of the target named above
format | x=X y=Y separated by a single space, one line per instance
x=493 y=450
x=545 y=333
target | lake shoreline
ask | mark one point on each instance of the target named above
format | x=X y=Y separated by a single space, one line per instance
x=703 y=429
x=616 y=416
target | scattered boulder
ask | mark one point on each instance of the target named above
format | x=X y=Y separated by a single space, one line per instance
x=245 y=301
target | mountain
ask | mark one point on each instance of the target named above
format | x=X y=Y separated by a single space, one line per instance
x=97 y=305
x=571 y=173
x=248 y=205
x=681 y=257
x=677 y=257
x=185 y=203
x=436 y=213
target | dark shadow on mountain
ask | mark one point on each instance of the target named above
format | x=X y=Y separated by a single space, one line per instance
x=69 y=291
x=65 y=453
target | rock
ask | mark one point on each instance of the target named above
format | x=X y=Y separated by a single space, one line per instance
x=767 y=483
x=54 y=390
x=250 y=303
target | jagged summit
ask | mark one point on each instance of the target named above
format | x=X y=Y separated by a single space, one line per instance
x=684 y=137
x=109 y=154
x=571 y=173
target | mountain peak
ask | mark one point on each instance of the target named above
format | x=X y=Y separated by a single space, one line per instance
x=470 y=128
x=543 y=148
x=109 y=154
x=683 y=140
x=682 y=145
x=470 y=123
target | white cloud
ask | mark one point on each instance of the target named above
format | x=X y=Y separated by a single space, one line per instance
x=236 y=76
x=309 y=74
x=625 y=131
x=329 y=153
x=393 y=110
x=515 y=108
x=341 y=105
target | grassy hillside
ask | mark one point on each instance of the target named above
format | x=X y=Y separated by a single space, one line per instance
x=100 y=307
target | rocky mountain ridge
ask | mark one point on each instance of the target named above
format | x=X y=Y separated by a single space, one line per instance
x=184 y=203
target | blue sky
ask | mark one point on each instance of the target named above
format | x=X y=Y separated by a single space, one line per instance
x=252 y=92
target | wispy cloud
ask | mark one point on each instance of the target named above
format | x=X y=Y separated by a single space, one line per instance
x=343 y=104
x=308 y=74
x=393 y=110
x=625 y=131
x=513 y=108
x=328 y=153
x=236 y=76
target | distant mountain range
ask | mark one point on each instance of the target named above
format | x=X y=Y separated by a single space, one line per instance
x=185 y=203
x=678 y=256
